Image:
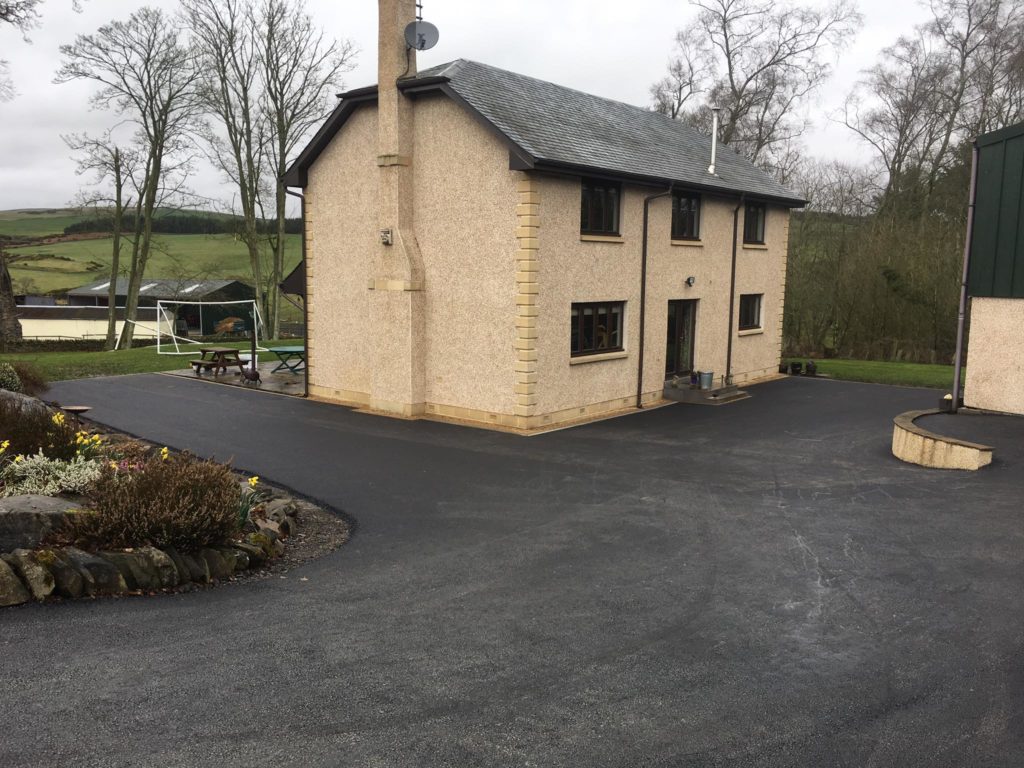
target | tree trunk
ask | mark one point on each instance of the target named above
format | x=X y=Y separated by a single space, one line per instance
x=115 y=254
x=10 y=327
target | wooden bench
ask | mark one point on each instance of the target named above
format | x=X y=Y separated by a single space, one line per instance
x=198 y=366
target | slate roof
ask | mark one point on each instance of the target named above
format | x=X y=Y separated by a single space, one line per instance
x=551 y=126
x=158 y=288
x=558 y=124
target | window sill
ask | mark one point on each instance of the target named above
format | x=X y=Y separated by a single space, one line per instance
x=598 y=358
x=602 y=239
x=751 y=331
x=755 y=247
x=688 y=243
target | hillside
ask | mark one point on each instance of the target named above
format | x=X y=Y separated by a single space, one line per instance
x=48 y=267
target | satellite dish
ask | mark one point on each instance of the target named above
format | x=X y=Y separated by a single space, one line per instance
x=421 y=35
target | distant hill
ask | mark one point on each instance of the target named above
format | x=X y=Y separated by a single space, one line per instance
x=56 y=266
x=47 y=222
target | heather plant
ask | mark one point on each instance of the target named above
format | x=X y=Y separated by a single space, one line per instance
x=42 y=475
x=9 y=378
x=177 y=501
x=29 y=431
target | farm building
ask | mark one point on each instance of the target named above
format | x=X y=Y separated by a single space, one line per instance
x=494 y=248
x=199 y=320
x=995 y=353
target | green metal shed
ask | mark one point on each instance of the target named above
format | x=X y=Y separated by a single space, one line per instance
x=997 y=241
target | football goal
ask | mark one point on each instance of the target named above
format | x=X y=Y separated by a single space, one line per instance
x=177 y=321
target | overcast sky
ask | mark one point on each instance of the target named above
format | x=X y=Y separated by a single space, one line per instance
x=613 y=48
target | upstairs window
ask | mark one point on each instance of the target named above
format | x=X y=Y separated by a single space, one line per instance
x=753 y=224
x=596 y=328
x=599 y=209
x=685 y=216
x=750 y=311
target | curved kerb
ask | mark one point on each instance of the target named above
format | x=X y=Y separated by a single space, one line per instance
x=917 y=445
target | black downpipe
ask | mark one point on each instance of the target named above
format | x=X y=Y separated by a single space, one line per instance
x=305 y=297
x=732 y=286
x=643 y=294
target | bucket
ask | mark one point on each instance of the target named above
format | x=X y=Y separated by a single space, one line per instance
x=707 y=379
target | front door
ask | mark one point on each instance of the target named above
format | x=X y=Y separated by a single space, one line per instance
x=682 y=315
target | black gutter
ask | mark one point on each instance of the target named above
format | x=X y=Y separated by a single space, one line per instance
x=643 y=294
x=305 y=298
x=972 y=196
x=732 y=286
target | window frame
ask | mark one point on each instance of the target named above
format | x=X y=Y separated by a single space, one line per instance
x=576 y=324
x=609 y=189
x=761 y=223
x=759 y=322
x=694 y=197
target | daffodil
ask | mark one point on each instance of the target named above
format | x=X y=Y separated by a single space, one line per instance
x=5 y=445
x=18 y=458
x=254 y=481
x=164 y=453
x=58 y=419
x=113 y=465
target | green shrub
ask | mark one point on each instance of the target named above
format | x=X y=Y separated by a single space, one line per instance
x=9 y=378
x=32 y=430
x=178 y=502
x=48 y=477
x=33 y=382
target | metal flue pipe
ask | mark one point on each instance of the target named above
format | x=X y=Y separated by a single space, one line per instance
x=714 y=139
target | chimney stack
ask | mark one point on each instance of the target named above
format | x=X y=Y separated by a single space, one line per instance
x=396 y=304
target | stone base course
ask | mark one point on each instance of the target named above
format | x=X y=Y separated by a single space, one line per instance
x=68 y=572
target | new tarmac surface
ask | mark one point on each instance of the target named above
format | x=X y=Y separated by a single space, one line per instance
x=757 y=584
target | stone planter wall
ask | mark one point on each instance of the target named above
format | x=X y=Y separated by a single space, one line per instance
x=67 y=572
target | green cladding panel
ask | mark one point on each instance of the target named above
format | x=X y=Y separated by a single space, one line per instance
x=997 y=245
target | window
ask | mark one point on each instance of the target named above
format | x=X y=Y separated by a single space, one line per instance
x=685 y=216
x=753 y=223
x=599 y=209
x=750 y=311
x=596 y=328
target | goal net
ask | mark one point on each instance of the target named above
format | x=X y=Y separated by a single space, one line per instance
x=178 y=321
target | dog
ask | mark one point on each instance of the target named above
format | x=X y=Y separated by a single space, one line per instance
x=251 y=376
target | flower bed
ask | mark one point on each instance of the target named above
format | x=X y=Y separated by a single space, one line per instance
x=135 y=519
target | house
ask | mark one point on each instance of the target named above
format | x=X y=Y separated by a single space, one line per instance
x=995 y=353
x=199 y=320
x=488 y=247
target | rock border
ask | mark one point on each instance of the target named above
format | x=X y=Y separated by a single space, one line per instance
x=42 y=575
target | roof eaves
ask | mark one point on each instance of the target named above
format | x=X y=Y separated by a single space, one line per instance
x=556 y=166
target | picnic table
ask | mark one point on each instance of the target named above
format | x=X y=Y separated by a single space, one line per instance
x=292 y=358
x=217 y=359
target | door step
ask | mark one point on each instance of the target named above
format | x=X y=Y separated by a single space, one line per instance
x=684 y=393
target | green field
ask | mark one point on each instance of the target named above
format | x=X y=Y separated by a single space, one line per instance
x=37 y=223
x=878 y=372
x=60 y=366
x=62 y=266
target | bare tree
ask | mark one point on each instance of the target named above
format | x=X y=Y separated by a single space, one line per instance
x=227 y=41
x=109 y=162
x=146 y=74
x=764 y=58
x=301 y=70
x=685 y=79
x=22 y=15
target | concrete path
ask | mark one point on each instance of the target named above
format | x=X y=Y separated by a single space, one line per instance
x=759 y=584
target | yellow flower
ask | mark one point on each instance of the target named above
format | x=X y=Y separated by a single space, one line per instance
x=164 y=453
x=113 y=465
x=5 y=445
x=58 y=419
x=18 y=458
x=253 y=481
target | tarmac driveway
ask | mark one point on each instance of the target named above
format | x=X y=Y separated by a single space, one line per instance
x=756 y=584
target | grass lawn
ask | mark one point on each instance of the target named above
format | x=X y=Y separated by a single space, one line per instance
x=878 y=372
x=58 y=366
